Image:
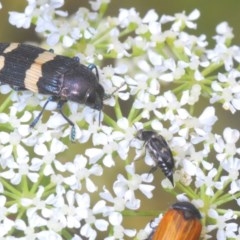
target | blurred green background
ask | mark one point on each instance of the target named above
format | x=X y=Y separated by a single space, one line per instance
x=212 y=13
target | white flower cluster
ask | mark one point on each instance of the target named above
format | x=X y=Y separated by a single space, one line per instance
x=172 y=84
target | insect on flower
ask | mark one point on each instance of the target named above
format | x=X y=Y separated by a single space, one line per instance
x=159 y=151
x=26 y=67
x=180 y=222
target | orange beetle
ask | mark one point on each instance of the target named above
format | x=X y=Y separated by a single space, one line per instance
x=180 y=222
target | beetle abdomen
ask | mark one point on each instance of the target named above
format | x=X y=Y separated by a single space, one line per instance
x=160 y=152
x=32 y=68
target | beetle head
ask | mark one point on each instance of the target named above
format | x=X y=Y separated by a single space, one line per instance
x=81 y=85
x=144 y=135
x=188 y=209
x=94 y=97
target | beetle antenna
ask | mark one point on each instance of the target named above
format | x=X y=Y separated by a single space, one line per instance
x=135 y=127
x=99 y=118
x=106 y=96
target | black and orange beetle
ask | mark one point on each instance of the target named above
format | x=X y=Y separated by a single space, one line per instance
x=180 y=222
x=26 y=67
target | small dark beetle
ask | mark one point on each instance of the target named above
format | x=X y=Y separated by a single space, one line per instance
x=159 y=151
x=26 y=67
x=180 y=222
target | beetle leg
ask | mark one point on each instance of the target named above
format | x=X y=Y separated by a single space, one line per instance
x=93 y=67
x=153 y=169
x=34 y=122
x=16 y=88
x=59 y=108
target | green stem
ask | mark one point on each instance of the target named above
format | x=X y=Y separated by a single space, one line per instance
x=66 y=234
x=107 y=119
x=13 y=190
x=211 y=68
x=102 y=10
x=126 y=31
x=24 y=184
x=181 y=88
x=223 y=211
x=36 y=185
x=104 y=36
x=187 y=190
x=178 y=51
x=221 y=191
x=224 y=199
x=130 y=213
x=133 y=112
x=6 y=103
x=117 y=109
x=138 y=118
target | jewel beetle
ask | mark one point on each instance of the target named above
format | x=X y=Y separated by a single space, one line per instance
x=160 y=152
x=180 y=222
x=26 y=67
